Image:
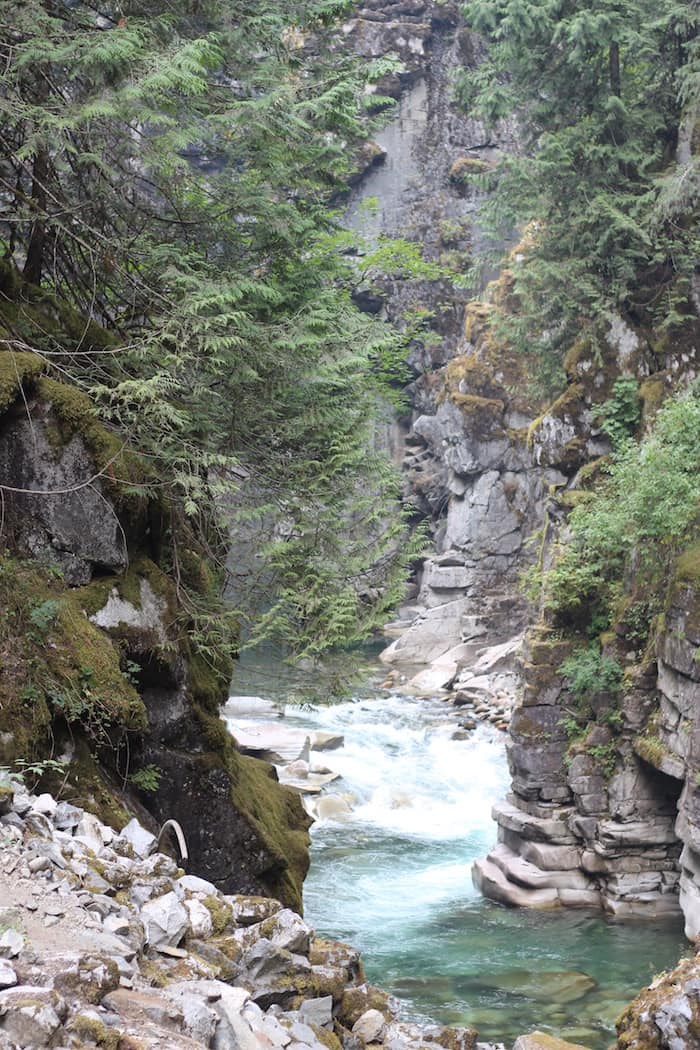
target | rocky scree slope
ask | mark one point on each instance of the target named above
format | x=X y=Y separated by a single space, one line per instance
x=104 y=942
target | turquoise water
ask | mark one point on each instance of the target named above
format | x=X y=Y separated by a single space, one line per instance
x=393 y=878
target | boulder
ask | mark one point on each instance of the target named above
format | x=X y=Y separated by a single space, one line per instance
x=142 y=841
x=194 y=884
x=11 y=944
x=318 y=1011
x=543 y=1041
x=8 y=977
x=545 y=986
x=440 y=675
x=166 y=921
x=271 y=741
x=66 y=817
x=288 y=931
x=88 y=830
x=370 y=1026
x=31 y=1016
x=200 y=920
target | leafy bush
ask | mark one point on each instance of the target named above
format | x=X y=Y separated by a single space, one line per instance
x=621 y=413
x=147 y=779
x=588 y=671
x=646 y=510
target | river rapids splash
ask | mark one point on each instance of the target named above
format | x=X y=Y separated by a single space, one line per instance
x=393 y=878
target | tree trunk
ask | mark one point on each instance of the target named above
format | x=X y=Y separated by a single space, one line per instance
x=614 y=61
x=34 y=264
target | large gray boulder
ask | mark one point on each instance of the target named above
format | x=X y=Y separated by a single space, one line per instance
x=166 y=921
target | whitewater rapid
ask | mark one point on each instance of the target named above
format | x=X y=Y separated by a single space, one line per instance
x=392 y=876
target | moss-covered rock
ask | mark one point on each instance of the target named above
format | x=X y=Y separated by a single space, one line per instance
x=465 y=168
x=19 y=370
x=667 y=1013
x=114 y=643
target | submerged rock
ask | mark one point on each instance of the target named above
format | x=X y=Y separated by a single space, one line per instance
x=543 y=1041
x=549 y=986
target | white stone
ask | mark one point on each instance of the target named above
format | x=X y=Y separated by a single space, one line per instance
x=116 y=924
x=497 y=656
x=431 y=634
x=45 y=804
x=89 y=831
x=8 y=977
x=290 y=932
x=142 y=841
x=31 y=1025
x=623 y=339
x=11 y=944
x=165 y=919
x=272 y=741
x=369 y=1026
x=196 y=885
x=318 y=1011
x=233 y=1030
x=148 y=617
x=440 y=675
x=199 y=918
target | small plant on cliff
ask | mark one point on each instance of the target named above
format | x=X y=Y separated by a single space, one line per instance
x=588 y=671
x=621 y=413
x=642 y=515
x=606 y=755
x=147 y=779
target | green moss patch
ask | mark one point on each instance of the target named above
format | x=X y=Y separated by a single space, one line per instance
x=18 y=370
x=279 y=818
x=57 y=667
x=465 y=168
x=688 y=565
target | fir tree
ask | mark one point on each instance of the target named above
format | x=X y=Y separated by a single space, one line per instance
x=168 y=170
x=600 y=89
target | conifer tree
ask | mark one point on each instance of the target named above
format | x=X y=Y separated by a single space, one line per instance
x=600 y=89
x=169 y=170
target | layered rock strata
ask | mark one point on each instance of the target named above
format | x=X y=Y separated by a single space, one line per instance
x=610 y=818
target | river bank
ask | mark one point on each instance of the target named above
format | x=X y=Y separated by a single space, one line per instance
x=104 y=941
x=392 y=849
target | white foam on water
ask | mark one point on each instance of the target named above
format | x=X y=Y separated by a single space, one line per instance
x=408 y=775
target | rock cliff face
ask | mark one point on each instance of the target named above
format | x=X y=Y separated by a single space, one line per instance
x=609 y=819
x=98 y=669
x=613 y=820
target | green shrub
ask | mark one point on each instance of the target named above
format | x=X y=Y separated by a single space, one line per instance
x=588 y=671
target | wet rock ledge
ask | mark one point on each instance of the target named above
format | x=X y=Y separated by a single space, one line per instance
x=106 y=942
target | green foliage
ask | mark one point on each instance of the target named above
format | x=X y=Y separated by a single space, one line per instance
x=32 y=772
x=60 y=673
x=645 y=510
x=147 y=779
x=606 y=755
x=587 y=672
x=43 y=616
x=621 y=413
x=600 y=88
x=170 y=177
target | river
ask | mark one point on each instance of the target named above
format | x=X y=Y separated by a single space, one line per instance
x=392 y=877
